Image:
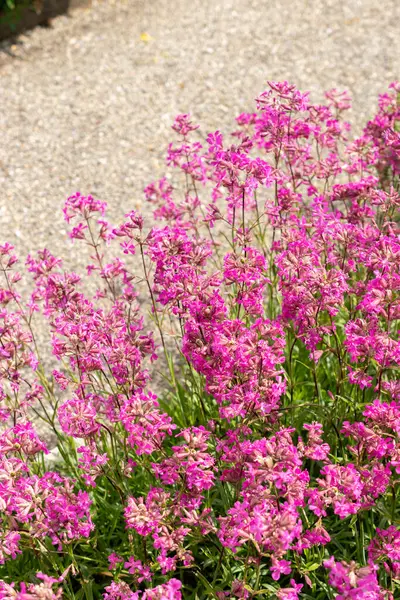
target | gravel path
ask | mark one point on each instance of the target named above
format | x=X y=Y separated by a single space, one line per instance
x=87 y=104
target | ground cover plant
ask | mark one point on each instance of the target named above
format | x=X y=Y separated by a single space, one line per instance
x=266 y=306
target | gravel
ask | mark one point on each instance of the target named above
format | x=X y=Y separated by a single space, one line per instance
x=87 y=104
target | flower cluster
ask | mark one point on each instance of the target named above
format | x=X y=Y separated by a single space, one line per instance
x=267 y=463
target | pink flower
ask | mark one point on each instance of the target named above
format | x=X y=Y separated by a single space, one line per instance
x=280 y=567
x=114 y=560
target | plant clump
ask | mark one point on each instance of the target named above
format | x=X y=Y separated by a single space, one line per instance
x=267 y=464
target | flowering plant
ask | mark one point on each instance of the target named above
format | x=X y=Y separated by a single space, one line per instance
x=264 y=311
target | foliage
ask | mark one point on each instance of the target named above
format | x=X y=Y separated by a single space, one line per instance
x=11 y=11
x=268 y=465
